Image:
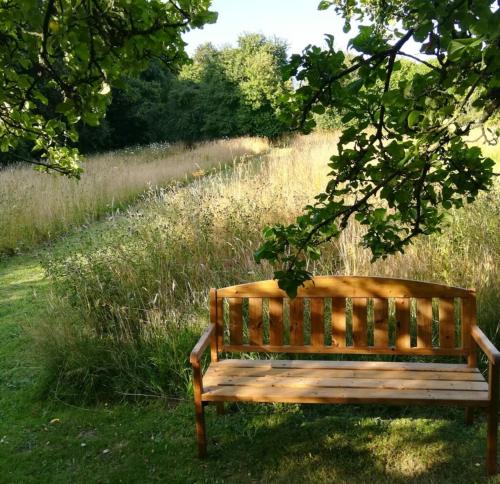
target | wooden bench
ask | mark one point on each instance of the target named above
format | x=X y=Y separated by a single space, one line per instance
x=348 y=316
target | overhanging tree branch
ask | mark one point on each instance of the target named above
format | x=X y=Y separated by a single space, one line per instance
x=379 y=56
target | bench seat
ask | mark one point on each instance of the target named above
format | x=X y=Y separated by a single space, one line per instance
x=296 y=381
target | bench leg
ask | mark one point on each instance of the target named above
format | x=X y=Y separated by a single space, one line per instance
x=469 y=415
x=491 y=456
x=220 y=408
x=200 y=429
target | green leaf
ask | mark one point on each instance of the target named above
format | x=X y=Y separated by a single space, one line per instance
x=457 y=47
x=455 y=50
x=41 y=97
x=324 y=4
x=363 y=42
x=92 y=119
x=65 y=107
x=396 y=150
x=413 y=118
x=379 y=214
x=318 y=109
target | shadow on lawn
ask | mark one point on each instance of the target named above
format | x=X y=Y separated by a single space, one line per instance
x=350 y=444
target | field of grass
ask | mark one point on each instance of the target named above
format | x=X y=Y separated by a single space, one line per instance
x=153 y=441
x=132 y=297
x=36 y=208
x=124 y=301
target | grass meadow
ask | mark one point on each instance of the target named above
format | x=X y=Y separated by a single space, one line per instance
x=96 y=330
x=136 y=292
x=36 y=208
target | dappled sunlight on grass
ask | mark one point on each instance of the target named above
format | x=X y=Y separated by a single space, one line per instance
x=290 y=444
x=346 y=444
x=20 y=282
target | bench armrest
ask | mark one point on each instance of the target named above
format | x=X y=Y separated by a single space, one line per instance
x=202 y=345
x=486 y=345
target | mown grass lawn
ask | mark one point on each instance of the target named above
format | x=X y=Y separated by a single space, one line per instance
x=49 y=441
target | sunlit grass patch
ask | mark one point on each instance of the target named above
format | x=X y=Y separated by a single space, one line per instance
x=37 y=207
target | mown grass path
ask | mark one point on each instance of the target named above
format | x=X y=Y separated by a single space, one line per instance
x=51 y=442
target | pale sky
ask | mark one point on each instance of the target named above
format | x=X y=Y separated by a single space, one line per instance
x=298 y=22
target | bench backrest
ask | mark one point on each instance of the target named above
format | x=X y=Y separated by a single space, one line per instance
x=339 y=314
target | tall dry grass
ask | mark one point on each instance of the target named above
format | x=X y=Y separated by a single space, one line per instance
x=37 y=207
x=135 y=294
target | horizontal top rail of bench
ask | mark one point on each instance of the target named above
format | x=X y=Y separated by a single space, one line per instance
x=349 y=286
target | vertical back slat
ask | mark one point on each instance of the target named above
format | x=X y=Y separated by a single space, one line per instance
x=276 y=321
x=468 y=320
x=213 y=320
x=359 y=326
x=380 y=323
x=402 y=322
x=424 y=323
x=296 y=321
x=446 y=323
x=255 y=320
x=213 y=306
x=338 y=322
x=236 y=321
x=220 y=322
x=317 y=324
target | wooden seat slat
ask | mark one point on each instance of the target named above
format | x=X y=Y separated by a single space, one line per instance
x=215 y=379
x=345 y=373
x=344 y=395
x=353 y=365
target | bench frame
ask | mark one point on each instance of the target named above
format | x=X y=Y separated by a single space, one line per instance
x=473 y=338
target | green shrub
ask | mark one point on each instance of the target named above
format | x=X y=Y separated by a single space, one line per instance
x=80 y=365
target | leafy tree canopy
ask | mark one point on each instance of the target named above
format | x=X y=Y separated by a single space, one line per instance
x=67 y=55
x=137 y=115
x=402 y=159
x=222 y=92
x=239 y=89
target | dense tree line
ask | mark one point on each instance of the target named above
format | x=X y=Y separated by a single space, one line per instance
x=224 y=92
x=221 y=92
